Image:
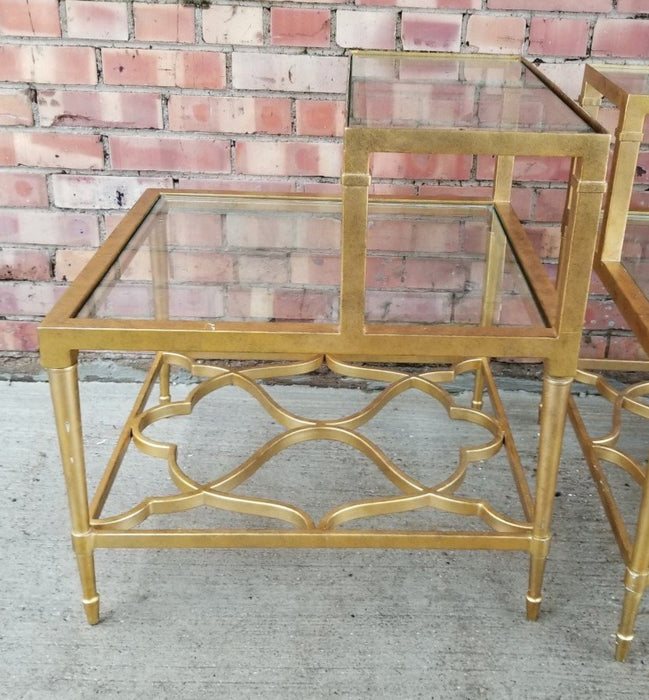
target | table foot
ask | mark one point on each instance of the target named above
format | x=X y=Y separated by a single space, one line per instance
x=90 y=599
x=634 y=584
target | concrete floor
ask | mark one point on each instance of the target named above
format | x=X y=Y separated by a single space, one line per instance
x=295 y=623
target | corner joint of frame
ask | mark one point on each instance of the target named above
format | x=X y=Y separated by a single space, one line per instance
x=540 y=546
x=83 y=542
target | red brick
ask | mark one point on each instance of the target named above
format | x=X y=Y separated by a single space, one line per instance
x=417 y=166
x=255 y=303
x=289 y=73
x=71 y=65
x=165 y=68
x=559 y=36
x=408 y=307
x=88 y=19
x=101 y=191
x=427 y=32
x=262 y=269
x=495 y=34
x=20 y=189
x=602 y=314
x=234 y=24
x=425 y=4
x=158 y=22
x=626 y=38
x=24 y=264
x=29 y=18
x=288 y=158
x=550 y=205
x=416 y=236
x=626 y=348
x=366 y=30
x=305 y=305
x=530 y=169
x=241 y=115
x=111 y=109
x=188 y=301
x=45 y=149
x=434 y=273
x=237 y=185
x=27 y=298
x=69 y=262
x=545 y=239
x=164 y=153
x=16 y=108
x=550 y=5
x=320 y=117
x=18 y=336
x=297 y=27
x=592 y=346
x=206 y=266
x=48 y=228
x=257 y=231
x=315 y=269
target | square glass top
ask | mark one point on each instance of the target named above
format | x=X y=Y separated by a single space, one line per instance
x=460 y=91
x=222 y=258
x=633 y=80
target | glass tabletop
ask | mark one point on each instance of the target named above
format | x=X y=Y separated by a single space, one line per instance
x=635 y=250
x=231 y=258
x=465 y=91
x=634 y=80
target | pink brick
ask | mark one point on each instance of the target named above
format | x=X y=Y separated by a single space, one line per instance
x=559 y=36
x=416 y=165
x=366 y=30
x=432 y=273
x=425 y=4
x=592 y=346
x=111 y=109
x=292 y=73
x=628 y=38
x=495 y=34
x=315 y=269
x=244 y=304
x=27 y=298
x=18 y=336
x=603 y=315
x=239 y=25
x=416 y=236
x=241 y=115
x=29 y=18
x=529 y=169
x=16 y=108
x=305 y=305
x=288 y=158
x=24 y=264
x=626 y=348
x=44 y=149
x=69 y=263
x=545 y=239
x=177 y=154
x=72 y=65
x=632 y=6
x=157 y=22
x=48 y=228
x=101 y=191
x=262 y=269
x=408 y=307
x=296 y=27
x=320 y=117
x=236 y=185
x=188 y=69
x=428 y=32
x=20 y=189
x=256 y=231
x=550 y=5
x=88 y=19
x=550 y=205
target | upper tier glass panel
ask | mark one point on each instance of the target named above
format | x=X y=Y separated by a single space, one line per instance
x=633 y=80
x=635 y=250
x=467 y=92
x=228 y=258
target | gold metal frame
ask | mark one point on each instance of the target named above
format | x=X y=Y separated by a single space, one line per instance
x=342 y=347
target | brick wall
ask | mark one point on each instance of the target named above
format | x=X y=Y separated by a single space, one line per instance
x=99 y=100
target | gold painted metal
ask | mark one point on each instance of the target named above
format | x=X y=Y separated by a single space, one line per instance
x=620 y=267
x=349 y=342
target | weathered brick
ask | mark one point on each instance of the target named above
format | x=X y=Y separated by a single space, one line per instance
x=624 y=347
x=137 y=110
x=530 y=169
x=550 y=5
x=292 y=73
x=206 y=266
x=632 y=6
x=87 y=19
x=237 y=184
x=298 y=27
x=315 y=269
x=262 y=269
x=408 y=307
x=305 y=305
x=592 y=346
x=238 y=25
x=320 y=117
x=101 y=191
x=18 y=336
x=48 y=228
x=69 y=262
x=45 y=149
x=366 y=30
x=164 y=153
x=288 y=158
x=624 y=38
x=27 y=298
x=561 y=36
x=427 y=32
x=24 y=264
x=417 y=166
x=420 y=236
x=190 y=301
x=16 y=108
x=29 y=18
x=71 y=65
x=550 y=204
x=425 y=4
x=201 y=70
x=603 y=314
x=545 y=239
x=495 y=34
x=157 y=22
x=241 y=115
x=257 y=231
x=21 y=189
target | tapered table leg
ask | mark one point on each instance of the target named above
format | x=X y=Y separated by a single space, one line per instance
x=556 y=392
x=64 y=388
x=636 y=579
